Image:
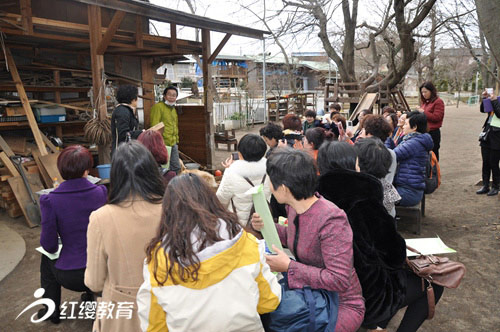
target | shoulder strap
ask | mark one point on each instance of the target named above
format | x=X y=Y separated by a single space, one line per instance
x=248 y=180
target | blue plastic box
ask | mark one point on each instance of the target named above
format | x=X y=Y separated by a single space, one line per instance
x=49 y=114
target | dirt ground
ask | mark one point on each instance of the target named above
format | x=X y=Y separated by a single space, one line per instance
x=465 y=221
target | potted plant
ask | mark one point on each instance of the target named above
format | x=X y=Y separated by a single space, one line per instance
x=234 y=121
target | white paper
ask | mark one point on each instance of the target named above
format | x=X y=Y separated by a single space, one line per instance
x=428 y=246
x=93 y=179
x=48 y=254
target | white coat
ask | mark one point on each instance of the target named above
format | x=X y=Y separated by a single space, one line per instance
x=234 y=186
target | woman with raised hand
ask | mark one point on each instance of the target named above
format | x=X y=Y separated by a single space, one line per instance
x=203 y=271
x=118 y=234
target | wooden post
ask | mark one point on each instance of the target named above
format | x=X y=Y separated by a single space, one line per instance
x=97 y=63
x=26 y=16
x=173 y=37
x=208 y=99
x=139 y=42
x=148 y=88
x=26 y=105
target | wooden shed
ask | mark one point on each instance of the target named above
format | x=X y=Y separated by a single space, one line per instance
x=66 y=51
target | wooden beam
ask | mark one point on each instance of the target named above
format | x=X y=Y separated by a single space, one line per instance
x=219 y=48
x=167 y=15
x=24 y=100
x=125 y=35
x=110 y=31
x=173 y=37
x=208 y=97
x=9 y=164
x=148 y=88
x=43 y=88
x=97 y=63
x=27 y=17
x=139 y=41
x=5 y=147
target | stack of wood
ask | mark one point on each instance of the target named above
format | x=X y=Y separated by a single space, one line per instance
x=8 y=199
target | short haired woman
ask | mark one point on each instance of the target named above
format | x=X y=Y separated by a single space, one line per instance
x=124 y=121
x=248 y=171
x=292 y=130
x=413 y=155
x=272 y=133
x=153 y=141
x=65 y=213
x=433 y=108
x=119 y=231
x=318 y=234
x=310 y=121
x=203 y=271
x=375 y=159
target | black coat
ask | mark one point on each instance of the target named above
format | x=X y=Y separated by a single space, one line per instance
x=123 y=121
x=379 y=250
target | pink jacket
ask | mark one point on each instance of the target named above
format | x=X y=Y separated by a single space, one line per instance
x=324 y=249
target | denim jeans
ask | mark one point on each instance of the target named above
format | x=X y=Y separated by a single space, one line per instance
x=409 y=196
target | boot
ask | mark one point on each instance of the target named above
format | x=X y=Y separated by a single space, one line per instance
x=483 y=190
x=54 y=318
x=493 y=191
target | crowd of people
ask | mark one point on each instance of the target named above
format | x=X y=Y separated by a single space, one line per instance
x=189 y=258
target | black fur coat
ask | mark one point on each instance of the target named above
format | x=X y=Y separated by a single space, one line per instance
x=379 y=250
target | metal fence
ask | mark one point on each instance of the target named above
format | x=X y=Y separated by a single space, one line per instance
x=251 y=111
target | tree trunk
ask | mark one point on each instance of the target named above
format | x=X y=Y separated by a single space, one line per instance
x=488 y=13
x=432 y=53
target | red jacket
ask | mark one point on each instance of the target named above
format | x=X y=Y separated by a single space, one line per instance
x=434 y=110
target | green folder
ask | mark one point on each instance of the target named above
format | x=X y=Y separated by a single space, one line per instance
x=269 y=231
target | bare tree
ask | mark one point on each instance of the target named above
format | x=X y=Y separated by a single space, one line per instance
x=489 y=13
x=467 y=32
x=286 y=20
x=403 y=16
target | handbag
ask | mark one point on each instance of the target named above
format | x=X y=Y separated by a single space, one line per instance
x=483 y=136
x=304 y=309
x=441 y=271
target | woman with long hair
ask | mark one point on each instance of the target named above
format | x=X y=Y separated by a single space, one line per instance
x=433 y=108
x=203 y=272
x=118 y=233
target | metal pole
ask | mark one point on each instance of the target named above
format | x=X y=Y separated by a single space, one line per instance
x=477 y=81
x=264 y=78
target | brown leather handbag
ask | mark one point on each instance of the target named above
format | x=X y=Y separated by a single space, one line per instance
x=438 y=270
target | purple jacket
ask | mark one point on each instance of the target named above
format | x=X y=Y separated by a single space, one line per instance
x=65 y=212
x=324 y=248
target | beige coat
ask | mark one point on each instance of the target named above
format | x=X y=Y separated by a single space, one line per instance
x=117 y=237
